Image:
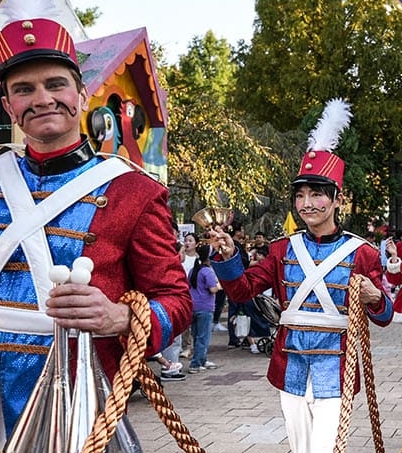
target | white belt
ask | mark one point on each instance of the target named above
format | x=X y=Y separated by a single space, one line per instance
x=18 y=320
x=314 y=319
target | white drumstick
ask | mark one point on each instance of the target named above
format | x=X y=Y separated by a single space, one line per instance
x=81 y=272
x=59 y=274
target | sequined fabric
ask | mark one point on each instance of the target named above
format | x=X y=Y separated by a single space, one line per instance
x=19 y=370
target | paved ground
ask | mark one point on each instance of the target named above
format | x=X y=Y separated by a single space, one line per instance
x=234 y=408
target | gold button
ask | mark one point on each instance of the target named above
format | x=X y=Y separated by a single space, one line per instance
x=101 y=201
x=29 y=39
x=90 y=238
x=308 y=166
x=27 y=25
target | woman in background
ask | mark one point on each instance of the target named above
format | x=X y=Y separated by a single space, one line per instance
x=191 y=241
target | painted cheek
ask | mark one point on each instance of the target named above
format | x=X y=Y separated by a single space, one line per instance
x=299 y=203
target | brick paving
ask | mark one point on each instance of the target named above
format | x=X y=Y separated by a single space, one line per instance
x=234 y=408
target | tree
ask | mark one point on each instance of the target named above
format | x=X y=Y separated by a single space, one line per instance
x=208 y=67
x=212 y=155
x=89 y=16
x=306 y=52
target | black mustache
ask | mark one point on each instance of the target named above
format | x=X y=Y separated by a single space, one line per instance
x=29 y=110
x=72 y=111
x=305 y=211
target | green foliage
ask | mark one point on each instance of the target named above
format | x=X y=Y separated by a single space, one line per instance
x=206 y=68
x=89 y=16
x=213 y=157
x=307 y=51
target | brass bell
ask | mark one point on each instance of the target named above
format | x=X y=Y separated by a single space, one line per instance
x=210 y=217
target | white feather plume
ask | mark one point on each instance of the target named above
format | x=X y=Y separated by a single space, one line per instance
x=13 y=10
x=334 y=120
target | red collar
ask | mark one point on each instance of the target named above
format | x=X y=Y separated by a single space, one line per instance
x=40 y=157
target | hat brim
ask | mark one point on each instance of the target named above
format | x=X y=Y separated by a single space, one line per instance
x=38 y=54
x=313 y=179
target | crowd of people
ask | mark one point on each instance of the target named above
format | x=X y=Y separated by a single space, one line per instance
x=209 y=303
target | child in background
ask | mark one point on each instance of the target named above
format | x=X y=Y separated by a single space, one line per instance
x=203 y=287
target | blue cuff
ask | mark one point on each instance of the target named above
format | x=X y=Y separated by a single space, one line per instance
x=164 y=321
x=387 y=314
x=230 y=269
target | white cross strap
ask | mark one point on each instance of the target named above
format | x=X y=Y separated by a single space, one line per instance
x=29 y=219
x=314 y=281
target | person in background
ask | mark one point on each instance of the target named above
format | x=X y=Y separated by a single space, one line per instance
x=370 y=237
x=170 y=371
x=60 y=201
x=259 y=241
x=171 y=368
x=259 y=327
x=191 y=240
x=179 y=246
x=394 y=271
x=390 y=233
x=203 y=287
x=261 y=253
x=236 y=230
x=310 y=273
x=220 y=300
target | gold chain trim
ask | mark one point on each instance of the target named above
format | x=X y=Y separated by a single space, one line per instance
x=41 y=195
x=314 y=351
x=317 y=262
x=23 y=305
x=55 y=231
x=340 y=308
x=16 y=266
x=328 y=285
x=316 y=329
x=24 y=348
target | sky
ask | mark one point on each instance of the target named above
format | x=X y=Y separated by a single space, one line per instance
x=173 y=23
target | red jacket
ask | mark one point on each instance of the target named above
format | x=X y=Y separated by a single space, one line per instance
x=134 y=248
x=270 y=273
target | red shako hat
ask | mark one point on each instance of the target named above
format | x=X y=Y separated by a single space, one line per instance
x=33 y=36
x=319 y=164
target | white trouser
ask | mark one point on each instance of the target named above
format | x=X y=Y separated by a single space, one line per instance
x=311 y=423
x=172 y=352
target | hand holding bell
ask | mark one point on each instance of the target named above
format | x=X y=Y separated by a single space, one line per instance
x=210 y=218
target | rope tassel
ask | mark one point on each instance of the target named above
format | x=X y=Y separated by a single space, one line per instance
x=358 y=324
x=132 y=365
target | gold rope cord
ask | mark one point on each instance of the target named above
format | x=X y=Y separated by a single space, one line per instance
x=358 y=322
x=132 y=365
x=370 y=384
x=166 y=412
